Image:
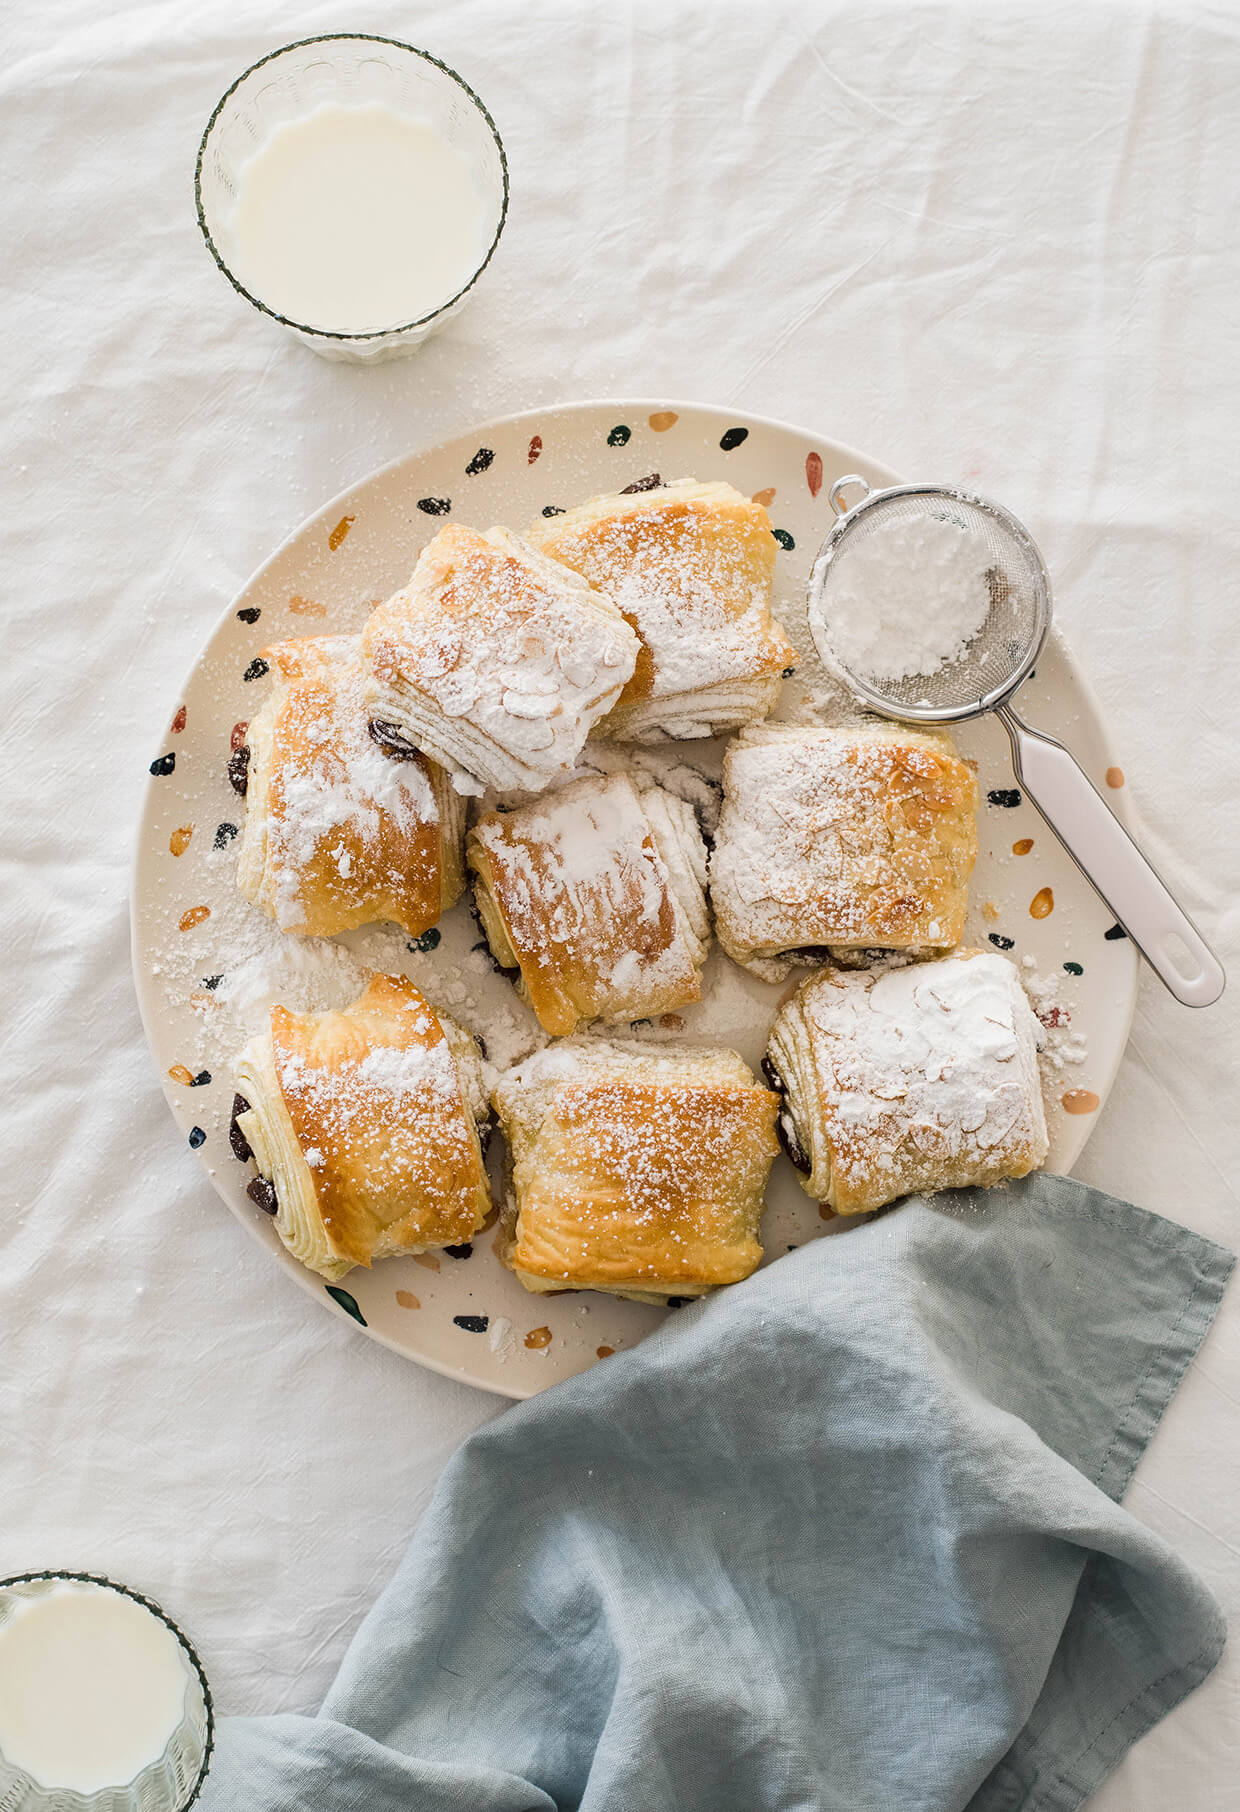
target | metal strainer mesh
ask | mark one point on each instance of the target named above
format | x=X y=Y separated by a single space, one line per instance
x=1003 y=651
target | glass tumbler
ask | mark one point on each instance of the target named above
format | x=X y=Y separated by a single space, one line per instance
x=169 y=1783
x=348 y=69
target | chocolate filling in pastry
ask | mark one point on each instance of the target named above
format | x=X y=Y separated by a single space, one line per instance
x=488 y=953
x=784 y=1130
x=236 y=1138
x=485 y=943
x=707 y=826
x=263 y=1195
x=391 y=741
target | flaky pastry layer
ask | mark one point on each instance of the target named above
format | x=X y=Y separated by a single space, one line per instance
x=834 y=839
x=336 y=833
x=365 y=1122
x=595 y=894
x=691 y=567
x=919 y=1077
x=635 y=1171
x=495 y=660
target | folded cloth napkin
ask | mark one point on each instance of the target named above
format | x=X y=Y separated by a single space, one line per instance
x=844 y=1537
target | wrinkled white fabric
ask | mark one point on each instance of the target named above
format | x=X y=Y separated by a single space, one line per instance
x=996 y=244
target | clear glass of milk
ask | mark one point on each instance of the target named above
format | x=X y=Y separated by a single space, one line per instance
x=104 y=1705
x=353 y=188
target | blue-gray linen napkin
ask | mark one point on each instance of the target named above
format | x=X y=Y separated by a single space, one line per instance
x=845 y=1537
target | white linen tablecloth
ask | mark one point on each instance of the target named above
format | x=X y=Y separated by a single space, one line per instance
x=995 y=244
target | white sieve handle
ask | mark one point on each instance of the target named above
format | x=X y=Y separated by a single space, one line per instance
x=1107 y=856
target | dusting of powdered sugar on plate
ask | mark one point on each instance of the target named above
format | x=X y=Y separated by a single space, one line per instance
x=1062 y=1044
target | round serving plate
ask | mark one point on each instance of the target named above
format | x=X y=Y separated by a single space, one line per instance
x=207 y=964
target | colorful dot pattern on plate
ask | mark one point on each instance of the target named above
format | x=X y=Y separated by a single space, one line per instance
x=458 y=1310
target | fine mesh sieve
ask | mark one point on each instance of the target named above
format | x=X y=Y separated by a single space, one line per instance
x=996 y=660
x=1005 y=648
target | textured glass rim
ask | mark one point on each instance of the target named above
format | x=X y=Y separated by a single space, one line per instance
x=348 y=37
x=147 y=1604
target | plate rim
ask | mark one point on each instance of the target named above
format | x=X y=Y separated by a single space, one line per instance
x=308 y=1281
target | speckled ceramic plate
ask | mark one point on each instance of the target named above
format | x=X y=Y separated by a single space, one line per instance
x=203 y=958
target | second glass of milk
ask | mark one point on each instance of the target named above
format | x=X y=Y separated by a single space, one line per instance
x=353 y=188
x=104 y=1706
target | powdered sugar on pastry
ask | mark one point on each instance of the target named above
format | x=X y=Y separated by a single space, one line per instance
x=842 y=838
x=384 y=1080
x=336 y=833
x=690 y=565
x=363 y=1122
x=634 y=1171
x=595 y=892
x=495 y=661
x=696 y=781
x=916 y=1077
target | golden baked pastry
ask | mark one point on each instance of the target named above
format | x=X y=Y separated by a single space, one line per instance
x=634 y=1170
x=336 y=833
x=833 y=840
x=495 y=660
x=594 y=893
x=364 y=1125
x=691 y=566
x=898 y=1079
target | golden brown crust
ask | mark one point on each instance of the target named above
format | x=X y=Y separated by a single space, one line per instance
x=337 y=833
x=848 y=838
x=690 y=567
x=374 y=1095
x=592 y=891
x=635 y=1172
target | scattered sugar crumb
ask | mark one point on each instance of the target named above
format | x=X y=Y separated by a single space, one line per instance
x=1060 y=1044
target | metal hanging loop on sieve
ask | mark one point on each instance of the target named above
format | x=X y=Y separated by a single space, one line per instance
x=835 y=496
